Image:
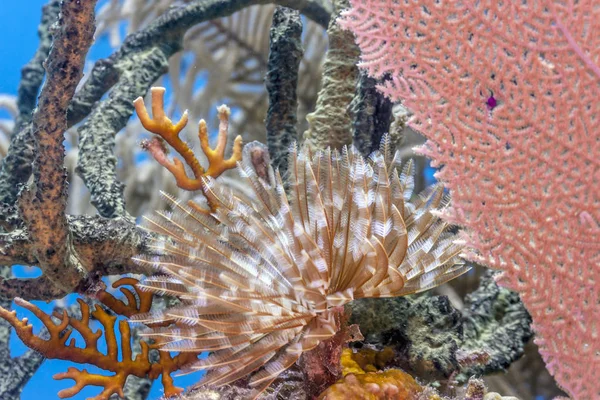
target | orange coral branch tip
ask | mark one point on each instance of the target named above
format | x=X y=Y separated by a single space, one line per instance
x=224 y=112
x=159 y=124
x=125 y=281
x=46 y=320
x=112 y=384
x=216 y=156
x=132 y=307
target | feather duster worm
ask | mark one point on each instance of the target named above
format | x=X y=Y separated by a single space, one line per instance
x=259 y=277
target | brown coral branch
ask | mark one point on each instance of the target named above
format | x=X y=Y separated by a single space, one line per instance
x=32 y=73
x=17 y=164
x=43 y=205
x=40 y=288
x=105 y=245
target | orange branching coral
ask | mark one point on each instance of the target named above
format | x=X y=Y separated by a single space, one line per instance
x=56 y=346
x=392 y=384
x=259 y=278
x=132 y=306
x=161 y=125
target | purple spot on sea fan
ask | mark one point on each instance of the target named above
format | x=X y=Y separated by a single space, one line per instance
x=491 y=103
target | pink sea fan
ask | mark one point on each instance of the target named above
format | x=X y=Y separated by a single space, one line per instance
x=508 y=94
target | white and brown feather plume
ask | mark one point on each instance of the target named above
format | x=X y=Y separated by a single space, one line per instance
x=258 y=278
